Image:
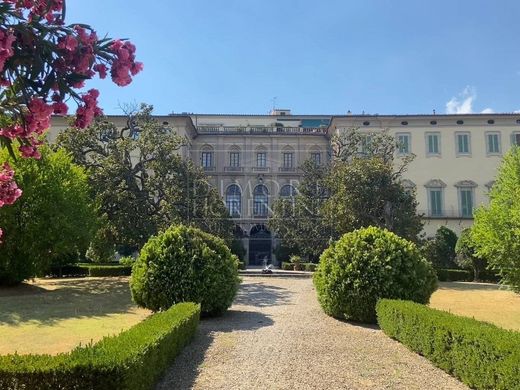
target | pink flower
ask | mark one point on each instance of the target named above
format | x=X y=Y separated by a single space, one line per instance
x=86 y=113
x=38 y=120
x=9 y=191
x=101 y=69
x=30 y=151
x=6 y=46
x=124 y=65
x=60 y=108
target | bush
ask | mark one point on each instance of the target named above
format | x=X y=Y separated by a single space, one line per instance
x=440 y=250
x=481 y=355
x=108 y=270
x=185 y=264
x=132 y=360
x=296 y=261
x=454 y=275
x=368 y=264
x=467 y=256
x=311 y=267
x=287 y=266
x=52 y=221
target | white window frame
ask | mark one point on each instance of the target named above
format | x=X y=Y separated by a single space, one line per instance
x=261 y=162
x=514 y=135
x=492 y=133
x=427 y=138
x=234 y=158
x=288 y=162
x=430 y=204
x=408 y=143
x=204 y=160
x=458 y=153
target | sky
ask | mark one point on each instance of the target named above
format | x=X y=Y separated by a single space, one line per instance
x=313 y=57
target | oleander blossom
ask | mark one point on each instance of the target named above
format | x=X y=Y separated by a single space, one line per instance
x=9 y=190
x=124 y=65
x=86 y=113
x=6 y=46
x=48 y=9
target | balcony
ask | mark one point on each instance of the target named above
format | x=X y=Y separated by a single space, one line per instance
x=261 y=130
x=209 y=169
x=233 y=169
x=260 y=169
x=445 y=214
x=287 y=169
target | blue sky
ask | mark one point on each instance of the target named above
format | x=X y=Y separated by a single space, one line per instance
x=315 y=57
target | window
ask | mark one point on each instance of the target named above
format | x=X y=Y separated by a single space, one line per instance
x=287 y=191
x=261 y=159
x=288 y=159
x=234 y=200
x=207 y=159
x=260 y=201
x=466 y=202
x=515 y=139
x=463 y=143
x=316 y=157
x=403 y=143
x=493 y=143
x=433 y=144
x=234 y=159
x=435 y=201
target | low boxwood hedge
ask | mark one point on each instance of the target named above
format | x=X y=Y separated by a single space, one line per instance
x=91 y=269
x=132 y=360
x=304 y=266
x=454 y=275
x=481 y=355
x=109 y=270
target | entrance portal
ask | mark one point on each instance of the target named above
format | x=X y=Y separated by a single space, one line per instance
x=259 y=245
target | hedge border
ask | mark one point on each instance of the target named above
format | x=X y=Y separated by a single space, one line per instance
x=311 y=267
x=481 y=355
x=91 y=269
x=463 y=275
x=134 y=359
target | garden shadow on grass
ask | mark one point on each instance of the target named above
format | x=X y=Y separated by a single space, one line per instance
x=64 y=299
x=183 y=373
x=262 y=295
x=469 y=286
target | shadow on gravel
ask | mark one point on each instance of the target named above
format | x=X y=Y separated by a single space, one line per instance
x=185 y=369
x=262 y=295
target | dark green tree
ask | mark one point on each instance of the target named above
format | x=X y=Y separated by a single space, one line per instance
x=51 y=223
x=440 y=250
x=467 y=254
x=142 y=183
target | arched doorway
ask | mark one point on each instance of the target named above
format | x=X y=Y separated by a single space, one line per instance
x=259 y=245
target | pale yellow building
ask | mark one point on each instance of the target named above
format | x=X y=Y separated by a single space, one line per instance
x=254 y=159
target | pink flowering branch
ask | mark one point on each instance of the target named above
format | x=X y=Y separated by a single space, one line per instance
x=43 y=63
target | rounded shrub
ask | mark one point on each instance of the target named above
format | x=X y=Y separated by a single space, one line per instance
x=368 y=264
x=185 y=264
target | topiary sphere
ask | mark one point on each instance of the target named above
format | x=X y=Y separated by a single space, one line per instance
x=368 y=264
x=185 y=264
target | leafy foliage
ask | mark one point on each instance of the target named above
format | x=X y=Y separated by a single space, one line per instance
x=142 y=184
x=184 y=264
x=366 y=265
x=440 y=250
x=53 y=221
x=132 y=360
x=496 y=231
x=479 y=354
x=467 y=254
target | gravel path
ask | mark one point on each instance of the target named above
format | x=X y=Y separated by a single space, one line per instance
x=276 y=336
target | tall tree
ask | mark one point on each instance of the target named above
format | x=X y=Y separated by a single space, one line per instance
x=496 y=231
x=140 y=181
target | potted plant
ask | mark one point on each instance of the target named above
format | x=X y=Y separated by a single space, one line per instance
x=296 y=261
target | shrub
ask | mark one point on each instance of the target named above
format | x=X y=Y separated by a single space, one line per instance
x=287 y=266
x=368 y=264
x=481 y=355
x=440 y=250
x=108 y=270
x=296 y=261
x=454 y=275
x=185 y=264
x=467 y=257
x=311 y=267
x=52 y=221
x=241 y=265
x=132 y=360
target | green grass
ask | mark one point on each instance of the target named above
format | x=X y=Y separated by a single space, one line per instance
x=482 y=301
x=55 y=315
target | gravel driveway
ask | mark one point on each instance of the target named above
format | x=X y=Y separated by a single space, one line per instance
x=276 y=336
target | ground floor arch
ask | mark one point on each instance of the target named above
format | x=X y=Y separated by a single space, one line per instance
x=260 y=245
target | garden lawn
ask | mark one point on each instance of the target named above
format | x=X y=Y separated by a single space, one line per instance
x=55 y=315
x=482 y=301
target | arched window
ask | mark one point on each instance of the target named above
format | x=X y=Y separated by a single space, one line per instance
x=287 y=191
x=260 y=201
x=234 y=200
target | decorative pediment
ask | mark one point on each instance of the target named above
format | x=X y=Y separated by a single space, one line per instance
x=466 y=183
x=490 y=184
x=408 y=184
x=435 y=183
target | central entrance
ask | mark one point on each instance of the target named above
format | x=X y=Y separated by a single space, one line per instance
x=259 y=245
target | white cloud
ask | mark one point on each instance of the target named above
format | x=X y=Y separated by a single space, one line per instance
x=487 y=111
x=516 y=112
x=462 y=104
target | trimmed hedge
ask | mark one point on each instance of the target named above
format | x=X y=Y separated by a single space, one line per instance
x=287 y=266
x=109 y=270
x=132 y=360
x=304 y=266
x=481 y=355
x=454 y=275
x=91 y=269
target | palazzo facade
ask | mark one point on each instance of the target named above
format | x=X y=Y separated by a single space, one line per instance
x=254 y=159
